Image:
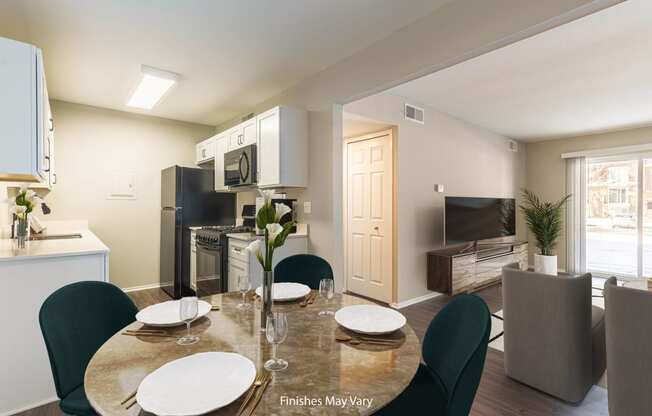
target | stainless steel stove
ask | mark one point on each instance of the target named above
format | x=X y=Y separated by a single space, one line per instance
x=212 y=259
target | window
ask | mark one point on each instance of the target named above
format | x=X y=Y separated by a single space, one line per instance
x=618 y=216
x=617 y=195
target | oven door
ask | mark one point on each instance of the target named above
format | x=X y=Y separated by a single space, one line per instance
x=208 y=269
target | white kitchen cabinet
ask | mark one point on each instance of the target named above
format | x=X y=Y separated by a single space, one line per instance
x=24 y=114
x=28 y=278
x=221 y=146
x=236 y=269
x=244 y=262
x=205 y=151
x=282 y=148
x=243 y=134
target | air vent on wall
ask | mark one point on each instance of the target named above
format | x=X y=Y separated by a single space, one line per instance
x=414 y=113
x=513 y=146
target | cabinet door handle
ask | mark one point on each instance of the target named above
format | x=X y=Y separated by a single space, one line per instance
x=51 y=124
x=48 y=159
x=54 y=178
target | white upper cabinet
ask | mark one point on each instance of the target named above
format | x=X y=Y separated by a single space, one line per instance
x=221 y=146
x=282 y=148
x=243 y=134
x=205 y=151
x=24 y=114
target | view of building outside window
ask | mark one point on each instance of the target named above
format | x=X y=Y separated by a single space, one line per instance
x=612 y=220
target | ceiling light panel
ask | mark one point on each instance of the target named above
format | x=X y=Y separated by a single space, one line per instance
x=154 y=84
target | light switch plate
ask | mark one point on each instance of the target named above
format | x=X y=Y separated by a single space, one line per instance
x=307 y=207
x=439 y=187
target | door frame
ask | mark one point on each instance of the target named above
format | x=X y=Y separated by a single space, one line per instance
x=392 y=133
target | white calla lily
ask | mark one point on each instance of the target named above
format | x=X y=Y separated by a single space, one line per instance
x=29 y=195
x=273 y=231
x=281 y=210
x=256 y=248
x=266 y=195
x=23 y=187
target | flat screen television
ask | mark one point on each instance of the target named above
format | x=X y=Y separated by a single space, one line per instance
x=472 y=219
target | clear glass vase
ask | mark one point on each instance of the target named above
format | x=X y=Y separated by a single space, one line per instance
x=267 y=300
x=21 y=232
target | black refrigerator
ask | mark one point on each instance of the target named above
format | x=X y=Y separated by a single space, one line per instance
x=188 y=199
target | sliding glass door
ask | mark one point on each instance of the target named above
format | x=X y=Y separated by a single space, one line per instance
x=619 y=216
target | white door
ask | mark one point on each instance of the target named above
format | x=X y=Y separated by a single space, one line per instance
x=369 y=217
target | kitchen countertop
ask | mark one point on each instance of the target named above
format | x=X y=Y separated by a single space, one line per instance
x=87 y=244
x=302 y=232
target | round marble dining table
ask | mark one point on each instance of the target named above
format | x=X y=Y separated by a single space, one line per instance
x=324 y=377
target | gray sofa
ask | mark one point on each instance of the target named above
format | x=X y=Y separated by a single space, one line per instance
x=554 y=336
x=629 y=349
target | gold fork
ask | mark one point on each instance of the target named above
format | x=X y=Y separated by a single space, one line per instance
x=260 y=379
x=259 y=395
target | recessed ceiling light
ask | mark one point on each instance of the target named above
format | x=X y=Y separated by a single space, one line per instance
x=153 y=86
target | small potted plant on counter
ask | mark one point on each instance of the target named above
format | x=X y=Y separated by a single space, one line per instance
x=267 y=218
x=544 y=219
x=21 y=207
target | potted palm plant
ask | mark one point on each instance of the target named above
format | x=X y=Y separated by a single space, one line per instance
x=544 y=219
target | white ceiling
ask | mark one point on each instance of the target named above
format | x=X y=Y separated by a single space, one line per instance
x=591 y=75
x=232 y=54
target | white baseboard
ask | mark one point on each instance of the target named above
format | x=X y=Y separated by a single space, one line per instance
x=143 y=287
x=30 y=406
x=406 y=303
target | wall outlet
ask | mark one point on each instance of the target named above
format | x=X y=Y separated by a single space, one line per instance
x=439 y=188
x=307 y=207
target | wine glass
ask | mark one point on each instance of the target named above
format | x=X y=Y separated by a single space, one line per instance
x=326 y=290
x=188 y=312
x=276 y=332
x=244 y=285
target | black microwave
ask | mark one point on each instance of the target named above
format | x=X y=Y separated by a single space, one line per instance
x=240 y=166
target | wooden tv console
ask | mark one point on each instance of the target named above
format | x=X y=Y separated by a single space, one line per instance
x=467 y=268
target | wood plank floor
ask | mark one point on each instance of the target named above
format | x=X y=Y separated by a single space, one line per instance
x=497 y=394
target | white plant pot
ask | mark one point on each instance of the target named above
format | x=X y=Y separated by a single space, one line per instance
x=545 y=264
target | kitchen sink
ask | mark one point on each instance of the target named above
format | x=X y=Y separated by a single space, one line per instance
x=37 y=237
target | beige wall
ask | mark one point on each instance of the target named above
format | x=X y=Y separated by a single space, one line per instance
x=546 y=171
x=467 y=160
x=91 y=144
x=455 y=32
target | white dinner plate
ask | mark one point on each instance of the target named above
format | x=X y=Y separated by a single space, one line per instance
x=167 y=313
x=283 y=292
x=370 y=319
x=196 y=384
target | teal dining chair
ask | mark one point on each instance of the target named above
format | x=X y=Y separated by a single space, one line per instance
x=75 y=321
x=454 y=350
x=303 y=268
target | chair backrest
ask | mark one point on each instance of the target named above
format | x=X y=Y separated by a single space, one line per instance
x=75 y=321
x=454 y=349
x=303 y=268
x=628 y=326
x=547 y=324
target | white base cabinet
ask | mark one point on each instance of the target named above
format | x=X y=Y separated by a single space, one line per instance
x=26 y=376
x=242 y=262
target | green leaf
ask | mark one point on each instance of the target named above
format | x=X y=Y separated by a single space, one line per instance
x=280 y=239
x=266 y=215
